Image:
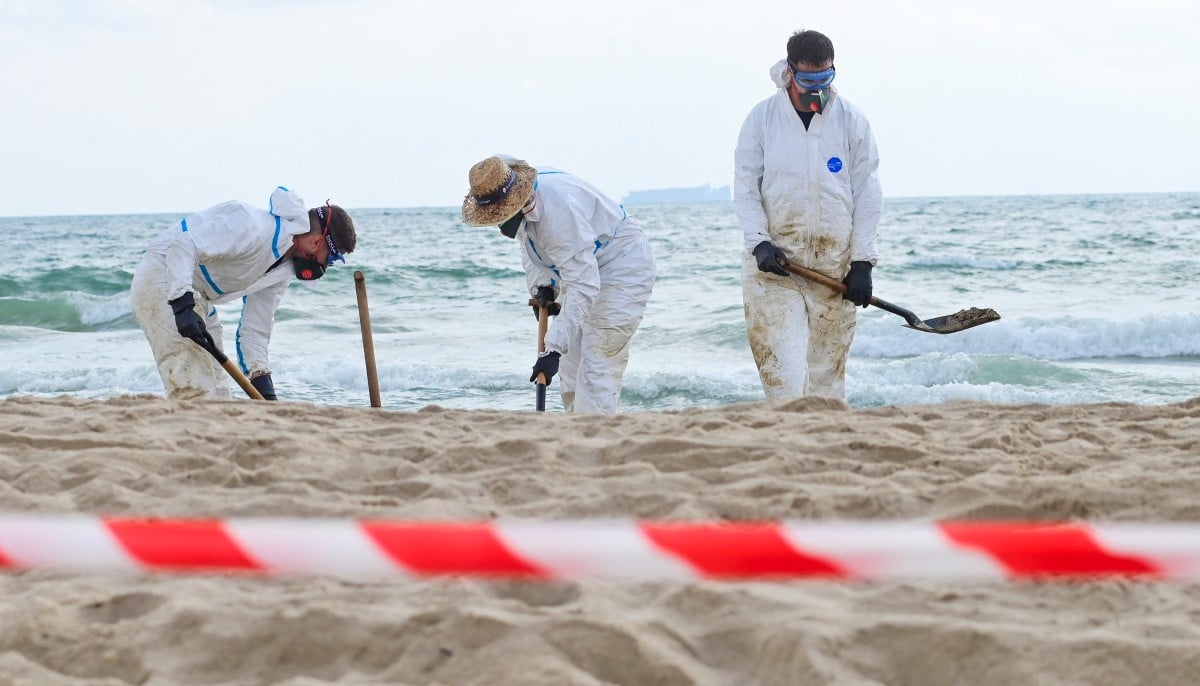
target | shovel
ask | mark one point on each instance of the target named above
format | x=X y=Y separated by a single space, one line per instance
x=230 y=367
x=543 y=326
x=951 y=323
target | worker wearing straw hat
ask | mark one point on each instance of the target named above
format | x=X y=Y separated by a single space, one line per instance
x=582 y=252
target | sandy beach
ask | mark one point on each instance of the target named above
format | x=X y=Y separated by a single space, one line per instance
x=808 y=459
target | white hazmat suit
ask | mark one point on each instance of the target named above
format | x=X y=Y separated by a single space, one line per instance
x=596 y=257
x=814 y=193
x=226 y=252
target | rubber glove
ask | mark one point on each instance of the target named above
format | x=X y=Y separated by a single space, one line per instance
x=769 y=258
x=545 y=298
x=547 y=363
x=858 y=284
x=189 y=322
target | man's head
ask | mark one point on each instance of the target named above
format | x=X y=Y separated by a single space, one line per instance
x=499 y=190
x=810 y=51
x=331 y=236
x=810 y=59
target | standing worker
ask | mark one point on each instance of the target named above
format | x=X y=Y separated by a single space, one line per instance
x=220 y=254
x=806 y=191
x=581 y=252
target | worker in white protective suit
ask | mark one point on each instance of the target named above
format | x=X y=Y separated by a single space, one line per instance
x=227 y=252
x=806 y=191
x=584 y=257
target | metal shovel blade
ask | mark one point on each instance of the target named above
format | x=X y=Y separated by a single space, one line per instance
x=963 y=319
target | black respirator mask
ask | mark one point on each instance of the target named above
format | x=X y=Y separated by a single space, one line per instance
x=814 y=101
x=308 y=269
x=509 y=228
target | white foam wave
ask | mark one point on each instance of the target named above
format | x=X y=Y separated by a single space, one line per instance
x=964 y=260
x=1066 y=338
x=98 y=310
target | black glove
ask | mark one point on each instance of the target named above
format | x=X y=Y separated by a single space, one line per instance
x=264 y=386
x=189 y=323
x=769 y=258
x=545 y=298
x=858 y=284
x=547 y=363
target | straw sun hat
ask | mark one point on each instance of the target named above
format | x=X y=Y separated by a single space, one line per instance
x=498 y=191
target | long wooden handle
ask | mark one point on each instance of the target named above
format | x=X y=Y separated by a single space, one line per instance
x=543 y=327
x=233 y=371
x=840 y=287
x=241 y=379
x=364 y=320
x=816 y=276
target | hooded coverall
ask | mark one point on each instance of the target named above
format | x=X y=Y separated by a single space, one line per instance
x=815 y=194
x=226 y=252
x=595 y=256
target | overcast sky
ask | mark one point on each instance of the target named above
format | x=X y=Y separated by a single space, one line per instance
x=129 y=106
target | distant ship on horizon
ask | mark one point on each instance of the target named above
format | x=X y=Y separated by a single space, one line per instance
x=679 y=196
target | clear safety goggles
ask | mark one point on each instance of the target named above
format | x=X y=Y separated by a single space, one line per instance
x=814 y=80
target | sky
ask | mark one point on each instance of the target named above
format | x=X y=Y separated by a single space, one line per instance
x=140 y=106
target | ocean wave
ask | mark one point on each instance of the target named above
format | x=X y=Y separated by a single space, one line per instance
x=85 y=381
x=71 y=311
x=1063 y=338
x=964 y=261
x=82 y=279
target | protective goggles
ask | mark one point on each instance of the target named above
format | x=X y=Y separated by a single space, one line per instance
x=324 y=214
x=335 y=255
x=814 y=80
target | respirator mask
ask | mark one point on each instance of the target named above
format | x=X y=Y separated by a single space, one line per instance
x=511 y=225
x=816 y=83
x=528 y=212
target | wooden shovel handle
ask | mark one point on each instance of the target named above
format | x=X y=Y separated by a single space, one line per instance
x=233 y=371
x=840 y=287
x=543 y=327
x=816 y=276
x=241 y=379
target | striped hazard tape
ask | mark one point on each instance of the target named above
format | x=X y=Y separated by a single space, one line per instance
x=850 y=550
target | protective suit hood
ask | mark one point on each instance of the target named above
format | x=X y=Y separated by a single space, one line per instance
x=292 y=215
x=287 y=205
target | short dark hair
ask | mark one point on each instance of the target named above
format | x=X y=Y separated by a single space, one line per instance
x=809 y=47
x=341 y=228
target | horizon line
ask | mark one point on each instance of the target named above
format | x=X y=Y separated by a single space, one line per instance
x=710 y=202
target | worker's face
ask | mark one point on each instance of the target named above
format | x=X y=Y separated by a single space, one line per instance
x=812 y=77
x=510 y=227
x=528 y=213
x=315 y=247
x=313 y=256
x=809 y=86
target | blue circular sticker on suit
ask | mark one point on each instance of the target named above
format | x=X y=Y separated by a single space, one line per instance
x=834 y=164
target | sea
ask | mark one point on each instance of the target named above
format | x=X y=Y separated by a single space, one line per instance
x=1098 y=296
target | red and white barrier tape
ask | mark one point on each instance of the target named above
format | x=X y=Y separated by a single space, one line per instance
x=850 y=550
